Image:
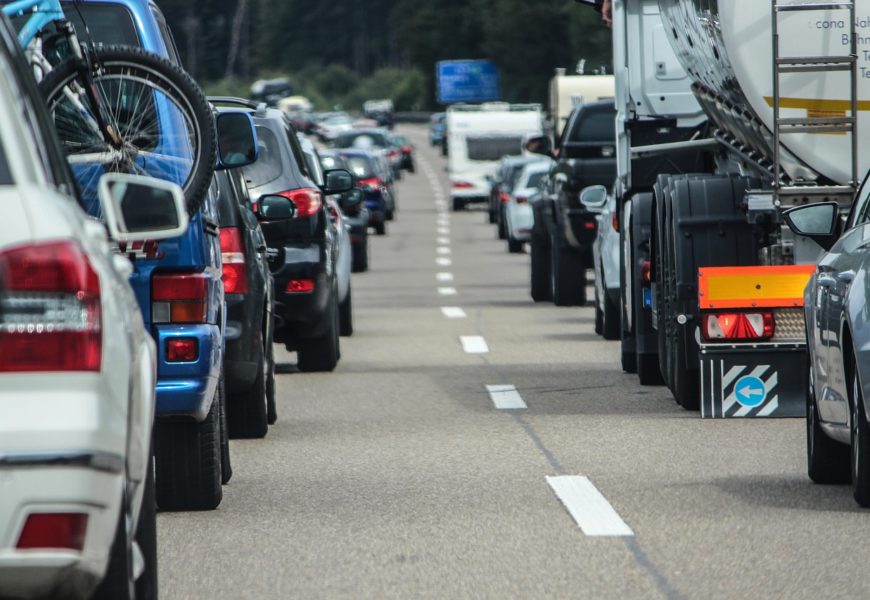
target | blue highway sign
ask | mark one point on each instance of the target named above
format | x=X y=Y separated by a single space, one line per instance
x=467 y=81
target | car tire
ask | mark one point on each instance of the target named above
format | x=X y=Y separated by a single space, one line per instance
x=188 y=462
x=247 y=413
x=345 y=315
x=611 y=327
x=514 y=246
x=118 y=582
x=360 y=256
x=648 y=372
x=391 y=215
x=146 y=538
x=568 y=274
x=381 y=228
x=501 y=225
x=491 y=217
x=320 y=354
x=540 y=271
x=860 y=450
x=271 y=406
x=226 y=465
x=599 y=316
x=828 y=461
x=458 y=204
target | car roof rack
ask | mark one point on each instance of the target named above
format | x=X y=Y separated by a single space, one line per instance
x=259 y=107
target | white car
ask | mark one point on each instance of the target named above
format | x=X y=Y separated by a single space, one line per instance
x=518 y=215
x=605 y=260
x=77 y=369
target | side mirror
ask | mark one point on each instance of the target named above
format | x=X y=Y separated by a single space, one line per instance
x=237 y=140
x=815 y=221
x=138 y=208
x=351 y=199
x=540 y=144
x=594 y=197
x=275 y=208
x=337 y=181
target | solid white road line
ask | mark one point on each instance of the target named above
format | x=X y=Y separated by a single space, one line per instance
x=442 y=250
x=474 y=344
x=444 y=276
x=443 y=262
x=505 y=397
x=453 y=312
x=590 y=509
x=447 y=291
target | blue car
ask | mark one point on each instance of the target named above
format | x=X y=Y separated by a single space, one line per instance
x=179 y=289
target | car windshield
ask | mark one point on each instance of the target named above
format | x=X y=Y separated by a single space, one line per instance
x=493 y=147
x=268 y=165
x=360 y=166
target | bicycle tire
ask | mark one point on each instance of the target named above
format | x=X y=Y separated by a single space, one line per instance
x=135 y=65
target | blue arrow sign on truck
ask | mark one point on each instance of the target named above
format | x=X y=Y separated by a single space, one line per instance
x=467 y=81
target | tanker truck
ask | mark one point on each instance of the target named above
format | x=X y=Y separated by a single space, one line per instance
x=730 y=113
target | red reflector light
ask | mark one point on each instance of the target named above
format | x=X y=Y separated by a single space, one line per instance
x=235 y=273
x=50 y=313
x=307 y=200
x=614 y=221
x=756 y=326
x=462 y=185
x=179 y=298
x=299 y=286
x=182 y=350
x=646 y=271
x=64 y=531
x=522 y=199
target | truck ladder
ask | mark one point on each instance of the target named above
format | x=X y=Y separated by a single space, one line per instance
x=820 y=124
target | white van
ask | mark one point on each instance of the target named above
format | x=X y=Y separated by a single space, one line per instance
x=478 y=136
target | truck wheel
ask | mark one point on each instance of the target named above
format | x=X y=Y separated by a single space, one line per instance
x=540 y=271
x=360 y=256
x=345 y=315
x=659 y=264
x=610 y=324
x=648 y=369
x=860 y=454
x=568 y=275
x=828 y=461
x=188 y=462
x=458 y=204
x=247 y=412
x=686 y=385
x=319 y=355
x=515 y=246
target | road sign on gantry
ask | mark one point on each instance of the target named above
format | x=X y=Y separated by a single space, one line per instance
x=467 y=81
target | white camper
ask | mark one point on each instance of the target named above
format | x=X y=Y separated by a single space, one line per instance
x=567 y=92
x=478 y=137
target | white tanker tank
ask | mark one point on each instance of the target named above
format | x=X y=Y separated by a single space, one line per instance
x=727 y=48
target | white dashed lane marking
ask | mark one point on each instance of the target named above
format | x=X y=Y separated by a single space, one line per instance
x=443 y=262
x=505 y=397
x=589 y=508
x=444 y=241
x=453 y=312
x=443 y=250
x=474 y=344
x=444 y=276
x=446 y=291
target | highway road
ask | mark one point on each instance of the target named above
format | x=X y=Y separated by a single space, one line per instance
x=402 y=474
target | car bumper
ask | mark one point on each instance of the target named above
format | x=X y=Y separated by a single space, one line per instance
x=187 y=388
x=520 y=221
x=581 y=227
x=300 y=316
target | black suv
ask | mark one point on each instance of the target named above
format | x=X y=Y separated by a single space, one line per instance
x=564 y=230
x=301 y=251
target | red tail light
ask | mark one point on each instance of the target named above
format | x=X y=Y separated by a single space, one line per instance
x=371 y=182
x=64 y=531
x=462 y=185
x=589 y=225
x=614 y=221
x=235 y=272
x=522 y=199
x=407 y=149
x=179 y=298
x=50 y=314
x=504 y=197
x=299 y=286
x=307 y=200
x=725 y=327
x=646 y=272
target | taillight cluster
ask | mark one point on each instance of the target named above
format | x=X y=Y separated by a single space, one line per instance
x=504 y=197
x=371 y=182
x=50 y=314
x=179 y=298
x=55 y=531
x=738 y=326
x=235 y=273
x=308 y=201
x=462 y=185
x=522 y=199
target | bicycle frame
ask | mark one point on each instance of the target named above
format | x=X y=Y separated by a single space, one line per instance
x=43 y=13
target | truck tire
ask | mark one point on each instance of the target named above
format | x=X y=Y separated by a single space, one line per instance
x=188 y=462
x=319 y=355
x=828 y=461
x=247 y=413
x=648 y=372
x=568 y=274
x=540 y=270
x=661 y=290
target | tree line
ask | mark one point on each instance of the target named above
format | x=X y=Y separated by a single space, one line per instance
x=344 y=50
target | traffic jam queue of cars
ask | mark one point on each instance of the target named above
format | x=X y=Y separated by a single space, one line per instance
x=134 y=342
x=728 y=259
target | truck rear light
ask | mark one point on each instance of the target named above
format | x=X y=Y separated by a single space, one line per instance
x=179 y=298
x=307 y=200
x=646 y=272
x=299 y=286
x=50 y=313
x=738 y=326
x=60 y=531
x=462 y=185
x=235 y=272
x=522 y=199
x=182 y=350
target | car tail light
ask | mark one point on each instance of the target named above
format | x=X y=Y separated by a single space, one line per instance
x=462 y=185
x=646 y=271
x=235 y=271
x=307 y=200
x=50 y=314
x=504 y=197
x=370 y=181
x=406 y=149
x=179 y=298
x=299 y=286
x=589 y=224
x=614 y=221
x=63 y=531
x=182 y=350
x=522 y=199
x=756 y=326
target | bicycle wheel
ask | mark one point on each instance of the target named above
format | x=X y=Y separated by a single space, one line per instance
x=157 y=121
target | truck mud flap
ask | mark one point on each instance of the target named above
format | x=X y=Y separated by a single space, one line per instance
x=753 y=383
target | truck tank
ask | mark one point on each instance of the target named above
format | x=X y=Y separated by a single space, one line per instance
x=727 y=49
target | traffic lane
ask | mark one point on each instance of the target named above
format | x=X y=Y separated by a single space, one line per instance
x=724 y=508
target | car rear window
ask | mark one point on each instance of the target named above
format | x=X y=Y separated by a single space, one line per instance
x=360 y=166
x=368 y=139
x=493 y=147
x=268 y=166
x=331 y=162
x=107 y=23
x=535 y=179
x=597 y=127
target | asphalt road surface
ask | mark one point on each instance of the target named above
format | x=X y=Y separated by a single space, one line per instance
x=398 y=476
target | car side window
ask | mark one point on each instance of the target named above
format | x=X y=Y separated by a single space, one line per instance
x=298 y=155
x=166 y=34
x=861 y=214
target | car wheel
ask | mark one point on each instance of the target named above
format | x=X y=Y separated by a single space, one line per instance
x=610 y=322
x=381 y=228
x=345 y=315
x=321 y=354
x=491 y=217
x=515 y=246
x=599 y=315
x=391 y=215
x=146 y=538
x=226 y=465
x=271 y=405
x=458 y=205
x=540 y=270
x=247 y=413
x=188 y=462
x=118 y=582
x=860 y=442
x=360 y=256
x=828 y=461
x=501 y=227
x=568 y=274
